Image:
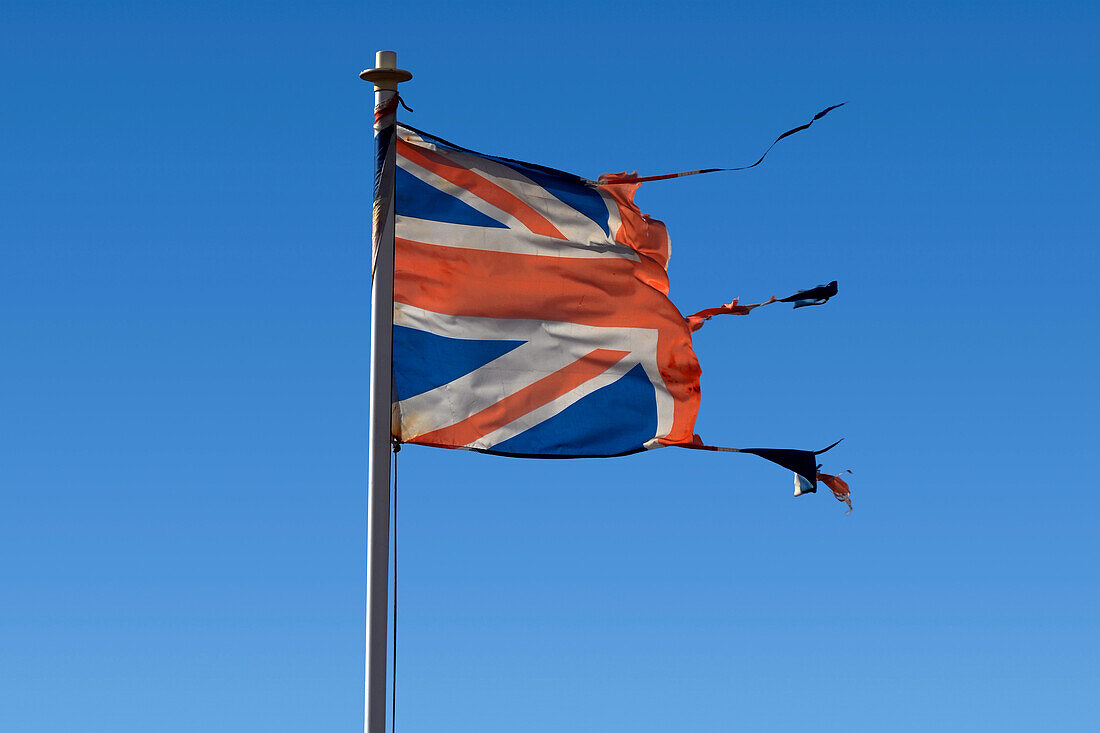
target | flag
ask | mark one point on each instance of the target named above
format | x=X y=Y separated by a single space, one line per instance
x=531 y=312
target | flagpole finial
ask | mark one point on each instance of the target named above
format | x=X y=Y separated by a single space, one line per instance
x=385 y=75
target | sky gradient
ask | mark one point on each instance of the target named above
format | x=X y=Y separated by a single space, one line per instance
x=184 y=309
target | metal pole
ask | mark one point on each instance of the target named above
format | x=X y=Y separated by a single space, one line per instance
x=386 y=76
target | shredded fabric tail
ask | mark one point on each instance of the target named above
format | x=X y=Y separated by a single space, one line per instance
x=812 y=296
x=838 y=486
x=696 y=320
x=788 y=133
x=807 y=471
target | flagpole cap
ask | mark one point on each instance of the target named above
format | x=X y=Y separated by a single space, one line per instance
x=385 y=75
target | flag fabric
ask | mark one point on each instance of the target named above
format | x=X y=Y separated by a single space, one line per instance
x=531 y=311
x=813 y=296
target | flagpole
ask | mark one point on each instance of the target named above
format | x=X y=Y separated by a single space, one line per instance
x=385 y=77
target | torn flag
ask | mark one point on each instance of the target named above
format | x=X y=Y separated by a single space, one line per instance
x=531 y=311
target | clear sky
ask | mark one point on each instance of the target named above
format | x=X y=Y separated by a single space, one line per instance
x=185 y=214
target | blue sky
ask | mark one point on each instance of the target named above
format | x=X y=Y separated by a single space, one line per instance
x=183 y=319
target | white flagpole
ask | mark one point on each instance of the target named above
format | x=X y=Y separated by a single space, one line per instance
x=385 y=76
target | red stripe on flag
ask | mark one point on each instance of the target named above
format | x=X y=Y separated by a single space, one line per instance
x=642 y=233
x=595 y=292
x=480 y=186
x=480 y=283
x=518 y=404
x=386 y=108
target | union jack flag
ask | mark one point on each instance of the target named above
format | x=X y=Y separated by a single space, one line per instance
x=531 y=311
x=531 y=314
